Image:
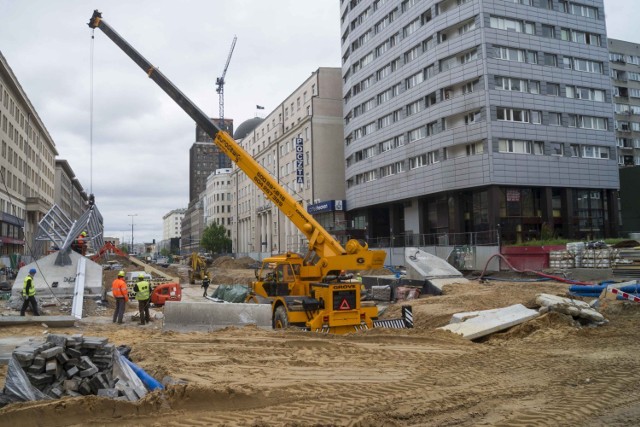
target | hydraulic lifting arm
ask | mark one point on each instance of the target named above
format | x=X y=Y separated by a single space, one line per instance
x=322 y=246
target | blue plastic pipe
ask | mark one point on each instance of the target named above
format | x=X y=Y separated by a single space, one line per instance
x=150 y=382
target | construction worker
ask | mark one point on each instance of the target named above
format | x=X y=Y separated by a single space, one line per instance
x=80 y=243
x=121 y=294
x=205 y=284
x=29 y=294
x=143 y=293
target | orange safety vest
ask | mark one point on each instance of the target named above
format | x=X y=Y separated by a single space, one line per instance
x=119 y=289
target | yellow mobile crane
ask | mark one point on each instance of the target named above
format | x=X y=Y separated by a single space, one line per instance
x=304 y=291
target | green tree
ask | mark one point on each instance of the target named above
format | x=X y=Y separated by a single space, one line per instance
x=215 y=240
x=165 y=252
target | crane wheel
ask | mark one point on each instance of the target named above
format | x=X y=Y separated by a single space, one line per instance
x=280 y=319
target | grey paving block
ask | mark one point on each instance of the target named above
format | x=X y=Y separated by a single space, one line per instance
x=88 y=372
x=84 y=387
x=35 y=369
x=72 y=371
x=51 y=352
x=52 y=366
x=57 y=340
x=74 y=353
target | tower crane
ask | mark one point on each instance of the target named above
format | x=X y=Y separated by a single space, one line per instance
x=220 y=84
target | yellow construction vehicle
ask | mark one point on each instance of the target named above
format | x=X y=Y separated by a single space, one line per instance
x=304 y=291
x=197 y=269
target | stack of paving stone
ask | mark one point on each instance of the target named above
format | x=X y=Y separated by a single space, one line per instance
x=74 y=365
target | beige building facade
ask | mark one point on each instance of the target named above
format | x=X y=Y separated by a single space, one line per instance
x=27 y=166
x=300 y=143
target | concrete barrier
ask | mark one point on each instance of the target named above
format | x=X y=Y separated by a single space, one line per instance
x=210 y=316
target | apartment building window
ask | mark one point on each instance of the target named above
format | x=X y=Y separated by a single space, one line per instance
x=385 y=121
x=411 y=28
x=417 y=134
x=548 y=31
x=595 y=152
x=568 y=34
x=475 y=148
x=518 y=115
x=467 y=88
x=587 y=122
x=384 y=96
x=634 y=93
x=469 y=26
x=418 y=161
x=471 y=118
x=579 y=9
x=553 y=89
x=412 y=54
x=557 y=149
x=555 y=119
x=517 y=55
x=386 y=145
x=550 y=59
x=369 y=176
x=583 y=65
x=518 y=146
x=407 y=4
x=589 y=94
x=633 y=76
x=512 y=25
x=415 y=107
x=517 y=85
x=414 y=80
x=398 y=141
x=524 y=2
x=428 y=44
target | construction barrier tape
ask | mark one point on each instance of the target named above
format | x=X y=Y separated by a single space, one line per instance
x=625 y=295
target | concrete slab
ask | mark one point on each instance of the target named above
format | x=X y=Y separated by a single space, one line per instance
x=56 y=321
x=475 y=324
x=423 y=265
x=60 y=280
x=209 y=316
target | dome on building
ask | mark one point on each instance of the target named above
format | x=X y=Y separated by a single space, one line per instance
x=247 y=127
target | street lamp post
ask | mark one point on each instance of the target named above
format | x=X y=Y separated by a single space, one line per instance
x=132 y=215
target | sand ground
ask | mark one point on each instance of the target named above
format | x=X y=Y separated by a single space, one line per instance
x=549 y=371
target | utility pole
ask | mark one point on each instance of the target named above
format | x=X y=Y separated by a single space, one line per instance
x=131 y=215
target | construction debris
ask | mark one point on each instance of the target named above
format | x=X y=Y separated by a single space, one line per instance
x=70 y=365
x=575 y=308
x=476 y=324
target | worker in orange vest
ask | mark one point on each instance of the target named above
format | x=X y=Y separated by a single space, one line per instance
x=121 y=294
x=80 y=243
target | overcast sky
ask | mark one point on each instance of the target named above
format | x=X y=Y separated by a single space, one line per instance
x=137 y=161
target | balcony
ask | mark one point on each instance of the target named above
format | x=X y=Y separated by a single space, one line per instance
x=38 y=204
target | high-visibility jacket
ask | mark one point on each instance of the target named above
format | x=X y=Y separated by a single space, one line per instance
x=119 y=289
x=142 y=292
x=28 y=290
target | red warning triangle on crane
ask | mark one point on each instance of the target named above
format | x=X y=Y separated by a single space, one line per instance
x=344 y=305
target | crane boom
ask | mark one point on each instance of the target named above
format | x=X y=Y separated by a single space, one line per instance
x=325 y=252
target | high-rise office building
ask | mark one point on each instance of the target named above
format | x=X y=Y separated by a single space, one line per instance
x=478 y=115
x=625 y=77
x=205 y=157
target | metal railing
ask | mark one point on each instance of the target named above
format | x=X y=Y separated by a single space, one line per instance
x=478 y=238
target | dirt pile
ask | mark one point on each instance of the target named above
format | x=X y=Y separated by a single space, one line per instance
x=420 y=376
x=227 y=262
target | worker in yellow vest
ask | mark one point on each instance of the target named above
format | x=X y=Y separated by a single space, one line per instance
x=29 y=294
x=143 y=295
